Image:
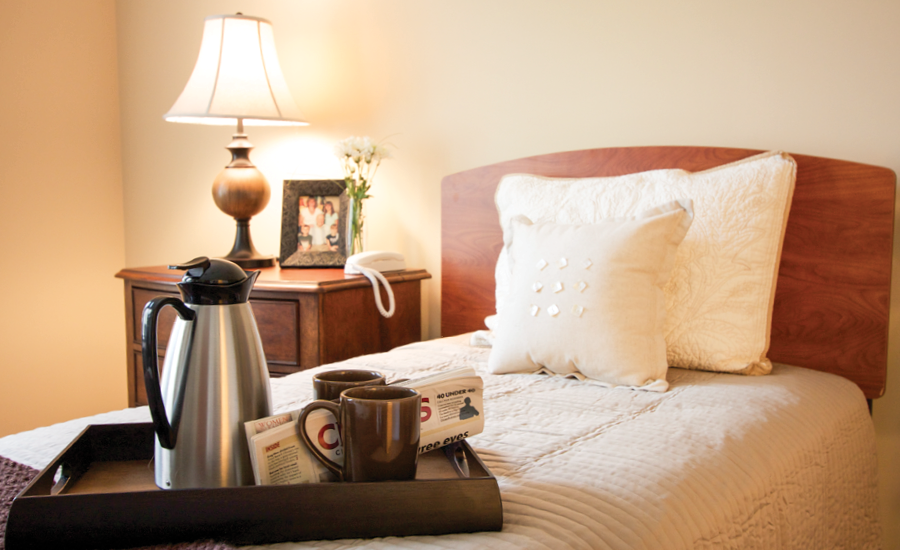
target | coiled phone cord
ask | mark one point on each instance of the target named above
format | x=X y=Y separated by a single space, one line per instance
x=374 y=276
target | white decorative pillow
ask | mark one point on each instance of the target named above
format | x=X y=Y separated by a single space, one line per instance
x=720 y=297
x=587 y=300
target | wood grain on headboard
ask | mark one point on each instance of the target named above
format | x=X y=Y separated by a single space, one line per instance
x=833 y=290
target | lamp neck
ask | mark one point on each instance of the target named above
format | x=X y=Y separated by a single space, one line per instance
x=240 y=126
x=240 y=148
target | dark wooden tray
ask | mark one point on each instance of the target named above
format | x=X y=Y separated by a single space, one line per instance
x=108 y=499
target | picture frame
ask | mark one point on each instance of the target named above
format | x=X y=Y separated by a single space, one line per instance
x=314 y=235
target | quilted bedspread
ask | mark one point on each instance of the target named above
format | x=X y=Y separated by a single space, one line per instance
x=785 y=460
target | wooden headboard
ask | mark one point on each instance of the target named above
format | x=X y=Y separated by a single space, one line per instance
x=833 y=290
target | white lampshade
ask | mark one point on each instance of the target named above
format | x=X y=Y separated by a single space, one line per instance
x=237 y=76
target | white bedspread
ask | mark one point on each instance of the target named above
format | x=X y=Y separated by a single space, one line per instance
x=719 y=461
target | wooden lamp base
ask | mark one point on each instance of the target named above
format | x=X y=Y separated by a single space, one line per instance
x=243 y=252
x=241 y=191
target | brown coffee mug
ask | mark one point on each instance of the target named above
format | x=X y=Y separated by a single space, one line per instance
x=379 y=430
x=328 y=385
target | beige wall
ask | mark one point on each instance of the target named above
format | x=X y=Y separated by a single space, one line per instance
x=453 y=85
x=61 y=228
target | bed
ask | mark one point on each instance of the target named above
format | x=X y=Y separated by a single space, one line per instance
x=718 y=460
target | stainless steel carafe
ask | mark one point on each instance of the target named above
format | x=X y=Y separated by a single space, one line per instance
x=214 y=378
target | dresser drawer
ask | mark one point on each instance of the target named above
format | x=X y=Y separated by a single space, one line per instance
x=276 y=320
x=140 y=297
x=305 y=317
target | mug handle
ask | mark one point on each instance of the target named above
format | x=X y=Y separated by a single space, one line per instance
x=301 y=422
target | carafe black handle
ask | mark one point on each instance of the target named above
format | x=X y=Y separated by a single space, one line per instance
x=166 y=432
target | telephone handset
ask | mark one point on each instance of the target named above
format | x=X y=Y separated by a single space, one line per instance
x=371 y=264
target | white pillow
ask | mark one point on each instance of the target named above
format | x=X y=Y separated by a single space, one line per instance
x=722 y=290
x=587 y=300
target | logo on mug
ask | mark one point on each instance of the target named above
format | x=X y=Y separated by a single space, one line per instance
x=337 y=437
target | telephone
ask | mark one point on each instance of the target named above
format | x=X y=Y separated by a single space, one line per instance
x=371 y=265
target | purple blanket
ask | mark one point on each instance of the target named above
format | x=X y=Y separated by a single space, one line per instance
x=14 y=477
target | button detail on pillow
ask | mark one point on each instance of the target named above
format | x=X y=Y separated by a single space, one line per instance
x=604 y=319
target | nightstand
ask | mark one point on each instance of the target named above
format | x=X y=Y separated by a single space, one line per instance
x=306 y=317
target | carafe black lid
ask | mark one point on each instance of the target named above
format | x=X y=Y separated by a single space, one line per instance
x=214 y=282
x=211 y=271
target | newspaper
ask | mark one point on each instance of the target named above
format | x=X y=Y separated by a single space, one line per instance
x=280 y=457
x=452 y=407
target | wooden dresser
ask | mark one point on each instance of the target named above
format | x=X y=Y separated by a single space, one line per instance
x=306 y=317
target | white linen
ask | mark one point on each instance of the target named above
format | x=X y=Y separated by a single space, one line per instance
x=718 y=461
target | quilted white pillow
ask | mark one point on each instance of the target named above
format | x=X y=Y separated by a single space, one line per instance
x=587 y=300
x=720 y=297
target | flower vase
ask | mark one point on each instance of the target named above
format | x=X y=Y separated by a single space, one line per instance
x=355 y=233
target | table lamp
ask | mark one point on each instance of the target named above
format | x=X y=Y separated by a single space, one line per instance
x=238 y=80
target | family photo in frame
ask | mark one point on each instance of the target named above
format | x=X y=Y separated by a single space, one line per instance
x=314 y=223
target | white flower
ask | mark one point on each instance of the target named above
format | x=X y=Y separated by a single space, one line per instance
x=344 y=148
x=380 y=152
x=360 y=158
